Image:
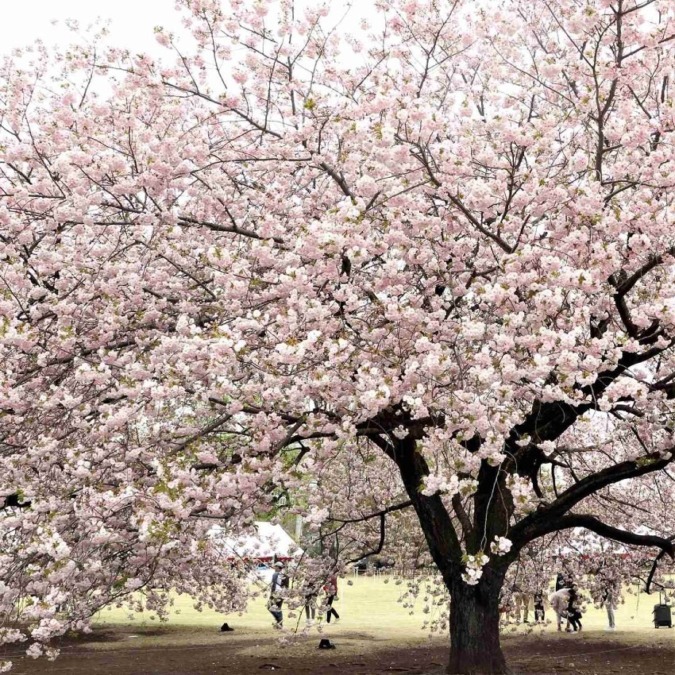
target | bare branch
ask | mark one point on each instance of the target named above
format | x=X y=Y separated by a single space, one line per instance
x=383 y=512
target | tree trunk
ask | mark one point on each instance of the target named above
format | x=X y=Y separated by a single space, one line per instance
x=474 y=627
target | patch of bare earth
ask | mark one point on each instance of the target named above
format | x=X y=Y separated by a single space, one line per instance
x=193 y=651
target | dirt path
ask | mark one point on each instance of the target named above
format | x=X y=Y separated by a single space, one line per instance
x=194 y=651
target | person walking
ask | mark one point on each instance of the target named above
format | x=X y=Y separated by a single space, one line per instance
x=278 y=588
x=331 y=590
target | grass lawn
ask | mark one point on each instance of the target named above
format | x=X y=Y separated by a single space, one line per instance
x=369 y=604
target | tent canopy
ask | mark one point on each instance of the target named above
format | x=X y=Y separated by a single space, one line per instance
x=271 y=542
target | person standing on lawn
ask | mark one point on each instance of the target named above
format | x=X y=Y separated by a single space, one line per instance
x=278 y=588
x=331 y=590
x=310 y=594
x=574 y=610
x=559 y=602
x=609 y=599
x=539 y=611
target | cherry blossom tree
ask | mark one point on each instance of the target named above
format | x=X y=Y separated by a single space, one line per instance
x=423 y=266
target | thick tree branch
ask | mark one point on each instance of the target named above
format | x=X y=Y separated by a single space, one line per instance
x=543 y=519
x=653 y=261
x=462 y=515
x=507 y=248
x=434 y=518
x=13 y=500
x=593 y=524
x=548 y=421
x=338 y=178
x=655 y=565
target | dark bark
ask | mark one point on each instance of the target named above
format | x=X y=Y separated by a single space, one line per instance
x=434 y=518
x=474 y=627
x=474 y=610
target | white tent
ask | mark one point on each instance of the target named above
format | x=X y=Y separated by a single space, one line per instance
x=270 y=542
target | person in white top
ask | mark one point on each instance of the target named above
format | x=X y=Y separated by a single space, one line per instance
x=559 y=602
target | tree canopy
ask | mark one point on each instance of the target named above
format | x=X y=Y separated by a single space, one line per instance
x=425 y=266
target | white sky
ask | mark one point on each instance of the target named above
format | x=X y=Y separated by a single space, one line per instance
x=132 y=21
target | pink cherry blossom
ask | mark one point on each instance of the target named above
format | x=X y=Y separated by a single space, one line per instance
x=422 y=299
